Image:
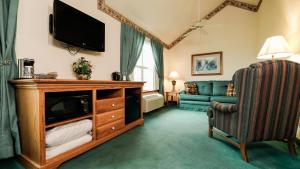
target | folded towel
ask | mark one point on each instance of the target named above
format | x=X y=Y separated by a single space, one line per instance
x=54 y=151
x=65 y=133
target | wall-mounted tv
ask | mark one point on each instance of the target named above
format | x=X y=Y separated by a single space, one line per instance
x=76 y=28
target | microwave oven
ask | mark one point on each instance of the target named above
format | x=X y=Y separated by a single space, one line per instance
x=65 y=105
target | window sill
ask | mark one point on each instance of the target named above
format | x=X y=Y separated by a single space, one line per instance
x=150 y=91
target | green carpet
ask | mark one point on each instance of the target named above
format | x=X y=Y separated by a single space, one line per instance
x=176 y=139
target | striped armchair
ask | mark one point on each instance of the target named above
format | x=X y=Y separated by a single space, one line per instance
x=267 y=107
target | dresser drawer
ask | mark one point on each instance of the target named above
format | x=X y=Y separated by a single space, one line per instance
x=110 y=128
x=108 y=117
x=106 y=105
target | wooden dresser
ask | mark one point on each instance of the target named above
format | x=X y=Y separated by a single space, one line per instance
x=108 y=115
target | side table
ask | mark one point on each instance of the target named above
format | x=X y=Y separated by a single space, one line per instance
x=174 y=97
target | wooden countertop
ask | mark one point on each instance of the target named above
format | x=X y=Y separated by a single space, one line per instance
x=41 y=83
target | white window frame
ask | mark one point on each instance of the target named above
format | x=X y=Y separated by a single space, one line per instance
x=143 y=68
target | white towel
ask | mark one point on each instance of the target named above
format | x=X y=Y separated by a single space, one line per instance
x=65 y=133
x=54 y=151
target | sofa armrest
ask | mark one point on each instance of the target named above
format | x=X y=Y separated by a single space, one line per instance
x=224 y=108
x=182 y=92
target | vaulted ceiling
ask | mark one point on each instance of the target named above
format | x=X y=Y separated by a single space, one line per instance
x=166 y=19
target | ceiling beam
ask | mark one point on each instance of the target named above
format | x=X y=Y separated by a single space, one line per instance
x=243 y=5
x=113 y=13
x=216 y=10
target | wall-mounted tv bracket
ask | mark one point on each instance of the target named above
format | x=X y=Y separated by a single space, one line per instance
x=71 y=49
x=51 y=23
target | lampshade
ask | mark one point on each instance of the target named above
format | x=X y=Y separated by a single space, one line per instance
x=275 y=47
x=173 y=75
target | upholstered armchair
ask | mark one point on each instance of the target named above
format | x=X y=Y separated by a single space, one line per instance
x=267 y=107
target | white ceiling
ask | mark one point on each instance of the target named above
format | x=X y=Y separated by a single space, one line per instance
x=166 y=19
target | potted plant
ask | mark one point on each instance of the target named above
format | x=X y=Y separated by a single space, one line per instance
x=83 y=69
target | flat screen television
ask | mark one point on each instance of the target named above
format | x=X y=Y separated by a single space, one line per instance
x=76 y=28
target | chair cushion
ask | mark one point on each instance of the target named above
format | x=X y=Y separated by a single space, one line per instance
x=220 y=88
x=224 y=99
x=195 y=97
x=204 y=87
x=192 y=102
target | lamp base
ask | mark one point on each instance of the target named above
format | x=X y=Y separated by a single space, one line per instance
x=173 y=83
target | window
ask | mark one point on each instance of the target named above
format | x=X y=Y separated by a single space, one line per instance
x=145 y=70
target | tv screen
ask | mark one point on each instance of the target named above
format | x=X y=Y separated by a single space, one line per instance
x=76 y=28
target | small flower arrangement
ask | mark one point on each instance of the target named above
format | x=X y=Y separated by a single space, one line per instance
x=83 y=69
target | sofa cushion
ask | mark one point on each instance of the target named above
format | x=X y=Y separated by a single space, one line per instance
x=195 y=97
x=204 y=87
x=224 y=99
x=220 y=88
x=192 y=102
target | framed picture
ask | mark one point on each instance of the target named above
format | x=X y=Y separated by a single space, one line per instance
x=207 y=64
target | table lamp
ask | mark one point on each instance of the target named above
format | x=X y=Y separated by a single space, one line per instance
x=275 y=47
x=173 y=76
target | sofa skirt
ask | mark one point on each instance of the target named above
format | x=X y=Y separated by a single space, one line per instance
x=194 y=107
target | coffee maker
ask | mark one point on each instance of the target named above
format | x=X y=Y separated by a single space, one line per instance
x=26 y=68
x=116 y=76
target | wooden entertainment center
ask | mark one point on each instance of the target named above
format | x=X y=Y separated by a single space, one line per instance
x=108 y=115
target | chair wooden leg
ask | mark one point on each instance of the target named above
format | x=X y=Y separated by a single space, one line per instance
x=244 y=152
x=292 y=147
x=210 y=131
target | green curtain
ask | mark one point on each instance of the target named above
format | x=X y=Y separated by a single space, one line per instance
x=131 y=47
x=9 y=133
x=158 y=50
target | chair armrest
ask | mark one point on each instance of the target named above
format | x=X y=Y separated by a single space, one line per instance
x=224 y=108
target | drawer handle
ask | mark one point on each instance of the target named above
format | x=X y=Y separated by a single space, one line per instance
x=113 y=105
x=113 y=128
x=113 y=116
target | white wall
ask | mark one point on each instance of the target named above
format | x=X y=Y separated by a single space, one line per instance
x=34 y=41
x=240 y=36
x=280 y=17
x=233 y=31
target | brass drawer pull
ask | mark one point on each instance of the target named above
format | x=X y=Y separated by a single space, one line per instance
x=113 y=128
x=113 y=116
x=113 y=105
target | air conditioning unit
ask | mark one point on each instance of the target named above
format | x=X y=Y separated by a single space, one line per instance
x=152 y=101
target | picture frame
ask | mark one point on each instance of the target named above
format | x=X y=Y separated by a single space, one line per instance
x=207 y=64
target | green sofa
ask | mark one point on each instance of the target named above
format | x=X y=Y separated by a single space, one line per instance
x=208 y=91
